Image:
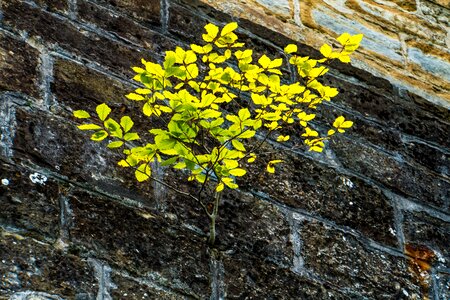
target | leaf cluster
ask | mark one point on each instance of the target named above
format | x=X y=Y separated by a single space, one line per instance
x=212 y=99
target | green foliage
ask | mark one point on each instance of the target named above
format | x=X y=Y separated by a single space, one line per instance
x=211 y=100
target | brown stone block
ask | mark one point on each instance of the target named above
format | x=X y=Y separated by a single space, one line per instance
x=421 y=228
x=28 y=265
x=78 y=87
x=141 y=243
x=124 y=27
x=305 y=184
x=19 y=66
x=61 y=33
x=54 y=5
x=392 y=172
x=29 y=201
x=343 y=260
x=146 y=11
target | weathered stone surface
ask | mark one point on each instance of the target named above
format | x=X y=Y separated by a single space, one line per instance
x=137 y=289
x=40 y=138
x=430 y=157
x=394 y=173
x=251 y=278
x=27 y=265
x=54 y=5
x=124 y=27
x=185 y=24
x=393 y=112
x=29 y=203
x=302 y=183
x=141 y=243
x=341 y=259
x=58 y=32
x=422 y=229
x=146 y=11
x=18 y=61
x=390 y=27
x=79 y=87
x=443 y=285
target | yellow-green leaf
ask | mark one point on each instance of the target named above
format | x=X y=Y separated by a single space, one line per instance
x=103 y=111
x=89 y=127
x=212 y=31
x=81 y=114
x=126 y=123
x=135 y=97
x=344 y=38
x=326 y=50
x=220 y=187
x=291 y=48
x=283 y=138
x=131 y=136
x=270 y=166
x=143 y=172
x=238 y=172
x=228 y=28
x=99 y=136
x=115 y=144
x=238 y=145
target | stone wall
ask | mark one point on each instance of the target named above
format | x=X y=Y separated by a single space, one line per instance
x=367 y=219
x=406 y=41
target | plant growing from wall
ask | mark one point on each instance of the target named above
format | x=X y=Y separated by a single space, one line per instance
x=216 y=106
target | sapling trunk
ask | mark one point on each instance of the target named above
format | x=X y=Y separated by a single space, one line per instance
x=212 y=219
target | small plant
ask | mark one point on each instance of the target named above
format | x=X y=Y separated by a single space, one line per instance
x=216 y=106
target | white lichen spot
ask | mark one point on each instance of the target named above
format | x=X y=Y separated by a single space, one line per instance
x=348 y=182
x=5 y=181
x=38 y=178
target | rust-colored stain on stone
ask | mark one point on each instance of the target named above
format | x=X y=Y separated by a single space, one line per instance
x=420 y=260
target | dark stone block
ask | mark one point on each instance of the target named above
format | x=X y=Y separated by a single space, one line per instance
x=420 y=228
x=51 y=142
x=146 y=11
x=137 y=289
x=59 y=32
x=19 y=68
x=60 y=6
x=30 y=265
x=443 y=285
x=392 y=172
x=78 y=87
x=27 y=205
x=247 y=277
x=346 y=200
x=141 y=243
x=125 y=28
x=430 y=157
x=341 y=259
x=363 y=130
x=185 y=24
x=392 y=112
x=253 y=227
